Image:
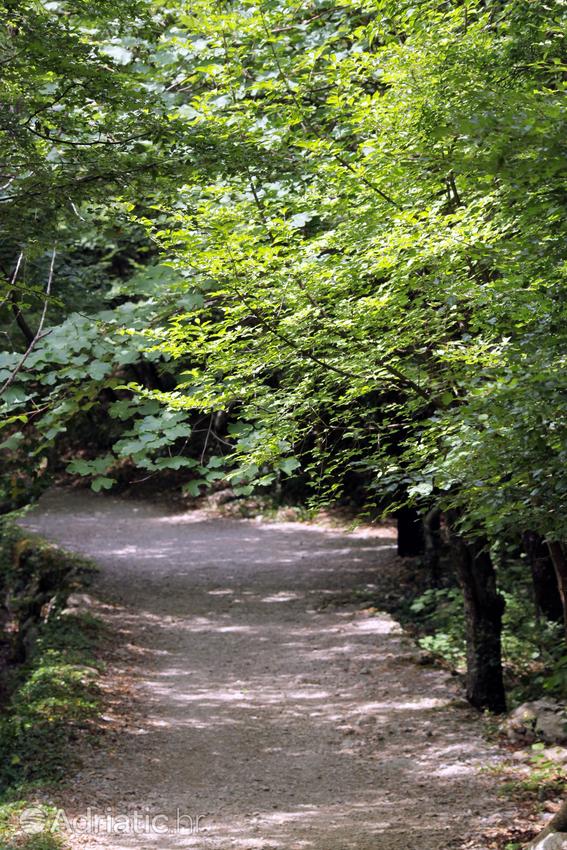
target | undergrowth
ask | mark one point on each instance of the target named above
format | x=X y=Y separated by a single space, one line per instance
x=51 y=696
x=545 y=780
x=55 y=696
x=534 y=659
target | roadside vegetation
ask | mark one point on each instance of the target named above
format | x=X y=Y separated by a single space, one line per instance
x=50 y=697
x=533 y=658
x=312 y=254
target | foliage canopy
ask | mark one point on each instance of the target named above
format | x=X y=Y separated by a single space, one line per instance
x=358 y=213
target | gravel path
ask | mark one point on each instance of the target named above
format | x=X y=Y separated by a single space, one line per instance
x=279 y=723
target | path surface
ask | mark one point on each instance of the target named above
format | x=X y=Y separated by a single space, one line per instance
x=282 y=724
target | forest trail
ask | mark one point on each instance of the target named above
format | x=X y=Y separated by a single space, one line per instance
x=281 y=724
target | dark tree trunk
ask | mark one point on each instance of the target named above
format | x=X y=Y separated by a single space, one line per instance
x=560 y=564
x=148 y=375
x=27 y=332
x=558 y=823
x=432 y=544
x=410 y=533
x=546 y=589
x=484 y=608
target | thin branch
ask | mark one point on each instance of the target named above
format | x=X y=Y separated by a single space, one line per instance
x=63 y=186
x=38 y=334
x=94 y=143
x=452 y=184
x=308 y=355
x=209 y=431
x=311 y=128
x=13 y=279
x=49 y=105
x=9 y=59
x=369 y=183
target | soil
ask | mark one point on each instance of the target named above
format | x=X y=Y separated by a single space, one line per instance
x=267 y=718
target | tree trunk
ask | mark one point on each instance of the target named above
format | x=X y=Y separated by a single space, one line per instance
x=27 y=332
x=432 y=544
x=410 y=533
x=557 y=824
x=148 y=375
x=484 y=607
x=560 y=564
x=546 y=590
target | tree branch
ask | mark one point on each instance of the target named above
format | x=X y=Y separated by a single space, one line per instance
x=21 y=322
x=38 y=334
x=308 y=355
x=13 y=279
x=97 y=142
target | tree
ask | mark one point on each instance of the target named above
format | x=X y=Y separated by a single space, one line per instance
x=367 y=265
x=80 y=124
x=381 y=238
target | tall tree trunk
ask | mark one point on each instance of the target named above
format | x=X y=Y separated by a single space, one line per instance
x=560 y=564
x=27 y=332
x=148 y=375
x=432 y=544
x=410 y=533
x=484 y=608
x=557 y=824
x=546 y=590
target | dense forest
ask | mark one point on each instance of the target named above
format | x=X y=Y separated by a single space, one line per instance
x=312 y=254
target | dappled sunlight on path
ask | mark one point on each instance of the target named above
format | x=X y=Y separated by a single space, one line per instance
x=279 y=723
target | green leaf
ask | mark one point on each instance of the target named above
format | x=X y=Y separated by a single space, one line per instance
x=289 y=464
x=193 y=488
x=98 y=370
x=102 y=483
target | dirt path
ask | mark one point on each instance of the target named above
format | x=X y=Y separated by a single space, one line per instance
x=279 y=724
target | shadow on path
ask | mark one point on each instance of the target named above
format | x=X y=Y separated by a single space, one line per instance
x=277 y=723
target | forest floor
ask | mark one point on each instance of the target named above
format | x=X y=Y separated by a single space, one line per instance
x=236 y=697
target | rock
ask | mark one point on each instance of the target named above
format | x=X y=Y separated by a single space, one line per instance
x=553 y=841
x=544 y=719
x=79 y=600
x=221 y=497
x=557 y=754
x=522 y=755
x=48 y=608
x=551 y=724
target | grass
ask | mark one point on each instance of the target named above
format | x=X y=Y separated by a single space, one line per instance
x=54 y=700
x=13 y=817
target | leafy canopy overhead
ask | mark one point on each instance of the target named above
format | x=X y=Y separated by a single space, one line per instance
x=384 y=274
x=362 y=247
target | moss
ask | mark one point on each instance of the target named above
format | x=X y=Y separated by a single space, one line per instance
x=56 y=697
x=52 y=695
